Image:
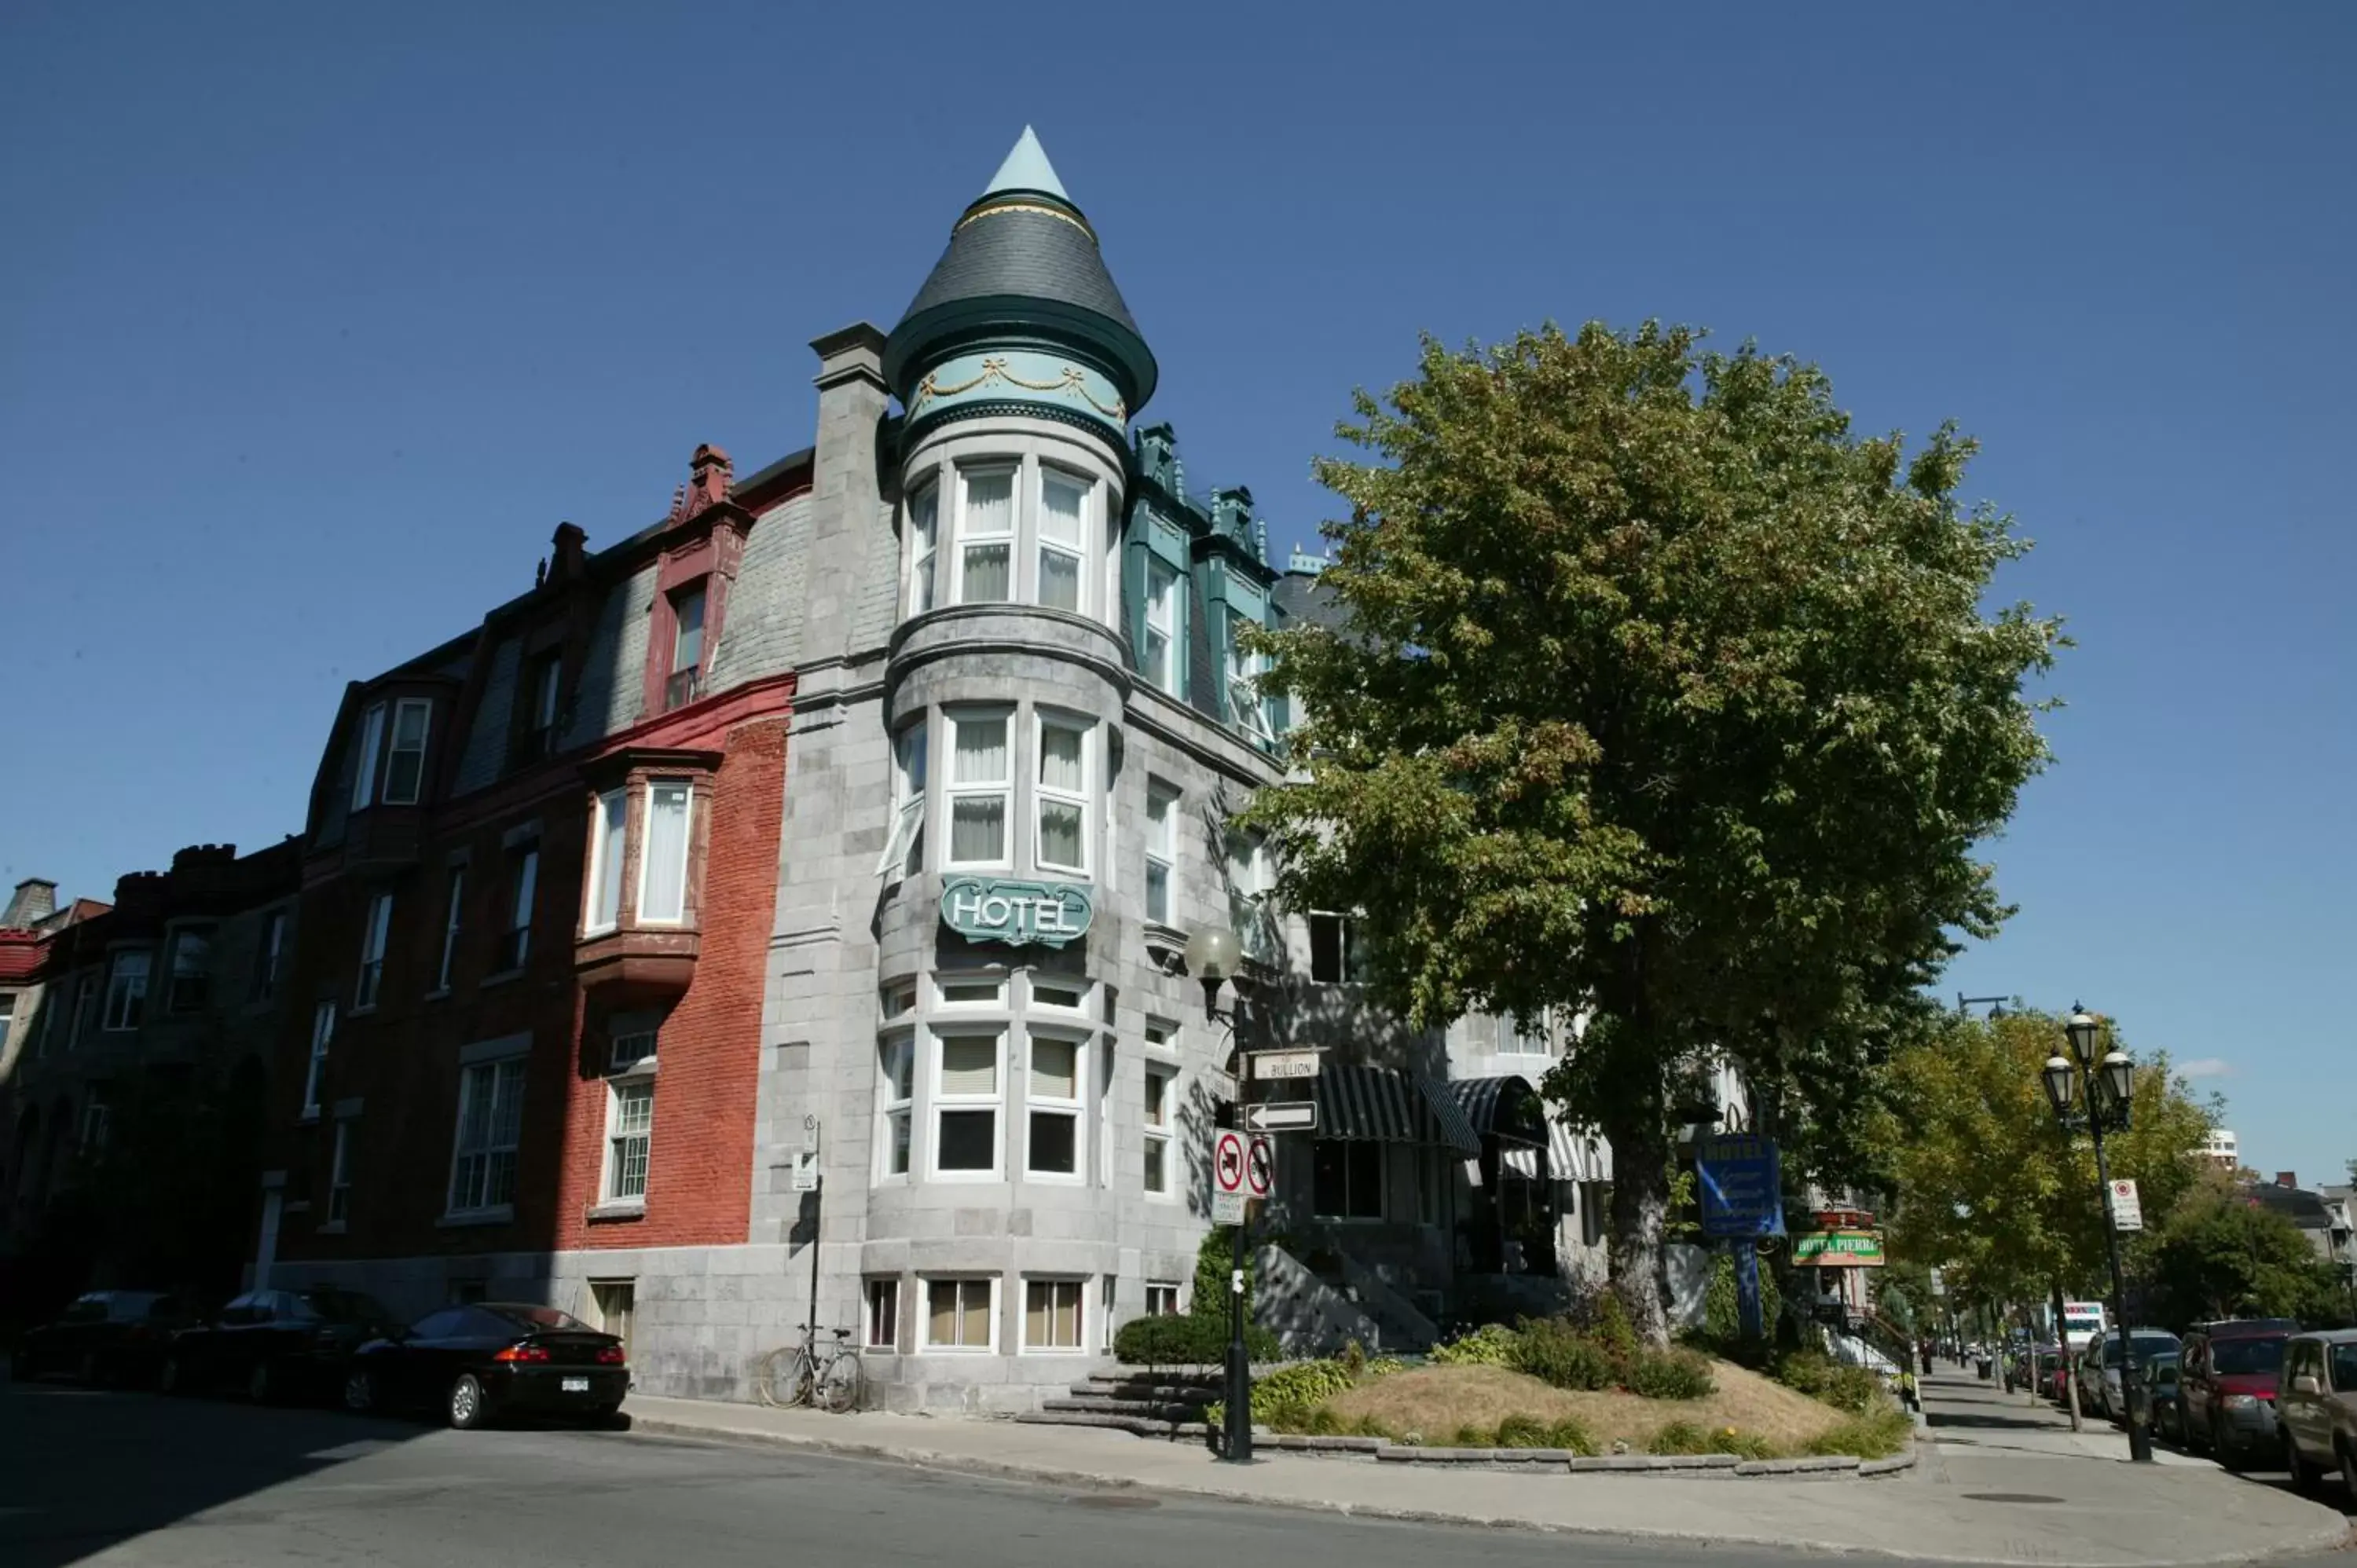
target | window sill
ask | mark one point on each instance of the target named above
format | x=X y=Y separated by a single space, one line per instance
x=332 y=1228
x=501 y=978
x=362 y=1011
x=618 y=1211
x=967 y=1179
x=310 y=1116
x=439 y=994
x=504 y=1214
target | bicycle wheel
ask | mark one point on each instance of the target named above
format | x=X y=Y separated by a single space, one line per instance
x=786 y=1377
x=838 y=1386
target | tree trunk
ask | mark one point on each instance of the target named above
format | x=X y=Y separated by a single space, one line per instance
x=1641 y=1205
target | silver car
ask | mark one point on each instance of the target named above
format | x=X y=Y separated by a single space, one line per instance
x=2316 y=1407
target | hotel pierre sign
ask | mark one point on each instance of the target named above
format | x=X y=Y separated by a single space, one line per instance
x=1016 y=913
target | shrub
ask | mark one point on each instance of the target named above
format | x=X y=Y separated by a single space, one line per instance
x=1522 y=1431
x=1493 y=1345
x=1554 y=1351
x=1303 y=1383
x=1569 y=1434
x=1185 y=1341
x=1603 y=1319
x=1743 y=1445
x=1804 y=1371
x=1877 y=1435
x=1354 y=1359
x=1853 y=1388
x=1680 y=1438
x=1670 y=1375
x=1384 y=1365
x=1470 y=1436
x=1722 y=1320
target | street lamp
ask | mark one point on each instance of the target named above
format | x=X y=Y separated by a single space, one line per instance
x=2107 y=1090
x=1215 y=954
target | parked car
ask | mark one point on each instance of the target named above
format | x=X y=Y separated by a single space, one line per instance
x=2163 y=1416
x=2226 y=1392
x=473 y=1364
x=2316 y=1408
x=2028 y=1369
x=2111 y=1399
x=275 y=1343
x=105 y=1337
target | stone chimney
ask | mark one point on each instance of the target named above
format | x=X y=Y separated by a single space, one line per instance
x=570 y=561
x=846 y=492
x=35 y=901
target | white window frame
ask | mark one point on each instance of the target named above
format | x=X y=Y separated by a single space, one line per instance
x=1161 y=1035
x=340 y=1175
x=942 y=1102
x=1162 y=850
x=1079 y=1285
x=323 y=1036
x=266 y=957
x=918 y=592
x=182 y=937
x=520 y=905
x=647 y=849
x=126 y=992
x=963 y=537
x=1002 y=787
x=699 y=593
x=1166 y=1293
x=370 y=982
x=1162 y=673
x=875 y=1290
x=897 y=1000
x=1036 y=998
x=394 y=747
x=1071 y=1110
x=621 y=1090
x=925 y=1313
x=895 y=1102
x=1081 y=553
x=633 y=1048
x=1514 y=1041
x=609 y=852
x=1158 y=1134
x=372 y=743
x=945 y=1001
x=1241 y=672
x=547 y=699
x=477 y=1077
x=904 y=847
x=453 y=918
x=1044 y=795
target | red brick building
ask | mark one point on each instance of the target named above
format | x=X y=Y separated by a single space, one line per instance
x=539 y=871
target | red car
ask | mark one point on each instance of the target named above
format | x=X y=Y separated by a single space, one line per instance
x=2226 y=1387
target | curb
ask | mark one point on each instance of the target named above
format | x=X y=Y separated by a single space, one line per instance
x=966 y=1464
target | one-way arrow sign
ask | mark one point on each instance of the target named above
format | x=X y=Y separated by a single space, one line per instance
x=1286 y=1116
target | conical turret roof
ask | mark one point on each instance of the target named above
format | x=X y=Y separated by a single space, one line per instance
x=1023 y=257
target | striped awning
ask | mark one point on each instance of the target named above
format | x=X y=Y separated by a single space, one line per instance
x=1507 y=1108
x=1376 y=1104
x=1576 y=1155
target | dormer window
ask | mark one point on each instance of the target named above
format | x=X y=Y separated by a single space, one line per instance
x=1160 y=653
x=372 y=752
x=547 y=688
x=404 y=762
x=685 y=681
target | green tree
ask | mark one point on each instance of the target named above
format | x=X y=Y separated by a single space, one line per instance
x=1989 y=1188
x=1662 y=696
x=2219 y=1253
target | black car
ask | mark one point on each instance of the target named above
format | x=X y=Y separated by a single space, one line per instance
x=105 y=1337
x=275 y=1343
x=474 y=1364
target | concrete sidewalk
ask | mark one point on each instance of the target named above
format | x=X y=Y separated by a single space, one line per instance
x=1963 y=1506
x=1963 y=1412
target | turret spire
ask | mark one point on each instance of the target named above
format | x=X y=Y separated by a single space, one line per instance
x=1027 y=168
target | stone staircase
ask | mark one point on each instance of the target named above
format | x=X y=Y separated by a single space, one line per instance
x=1161 y=1402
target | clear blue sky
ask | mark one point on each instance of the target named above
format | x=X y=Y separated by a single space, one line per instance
x=315 y=320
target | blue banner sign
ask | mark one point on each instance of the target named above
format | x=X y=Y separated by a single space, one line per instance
x=1742 y=1190
x=1019 y=914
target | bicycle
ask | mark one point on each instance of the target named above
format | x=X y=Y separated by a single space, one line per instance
x=824 y=1376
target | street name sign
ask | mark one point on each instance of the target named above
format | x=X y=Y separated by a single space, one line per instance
x=1269 y=1065
x=1283 y=1116
x=2127 y=1208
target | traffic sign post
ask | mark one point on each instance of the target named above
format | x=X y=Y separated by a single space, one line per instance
x=1260 y=1166
x=2127 y=1208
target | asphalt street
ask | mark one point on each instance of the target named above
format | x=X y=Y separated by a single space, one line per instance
x=115 y=1479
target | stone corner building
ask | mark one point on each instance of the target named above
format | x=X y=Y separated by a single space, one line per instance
x=811 y=870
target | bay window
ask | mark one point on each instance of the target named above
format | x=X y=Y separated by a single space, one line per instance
x=378 y=926
x=986 y=532
x=1063 y=541
x=961 y=1313
x=1051 y=1314
x=372 y=751
x=405 y=768
x=1159 y=655
x=904 y=849
x=1054 y=1103
x=609 y=842
x=924 y=534
x=982 y=776
x=966 y=1101
x=1061 y=796
x=662 y=867
x=896 y=1091
x=126 y=990
x=491 y=1128
x=1161 y=849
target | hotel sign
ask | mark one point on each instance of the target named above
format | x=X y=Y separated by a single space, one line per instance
x=1837 y=1250
x=1016 y=913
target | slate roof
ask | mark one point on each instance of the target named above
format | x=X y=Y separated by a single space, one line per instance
x=1011 y=250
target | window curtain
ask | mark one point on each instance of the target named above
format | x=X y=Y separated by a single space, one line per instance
x=989 y=511
x=614 y=816
x=665 y=897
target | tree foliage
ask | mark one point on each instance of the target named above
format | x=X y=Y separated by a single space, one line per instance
x=2221 y=1254
x=1991 y=1189
x=1661 y=695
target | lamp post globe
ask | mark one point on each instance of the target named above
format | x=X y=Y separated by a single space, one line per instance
x=2082 y=1026
x=1215 y=953
x=2057 y=1078
x=2119 y=1078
